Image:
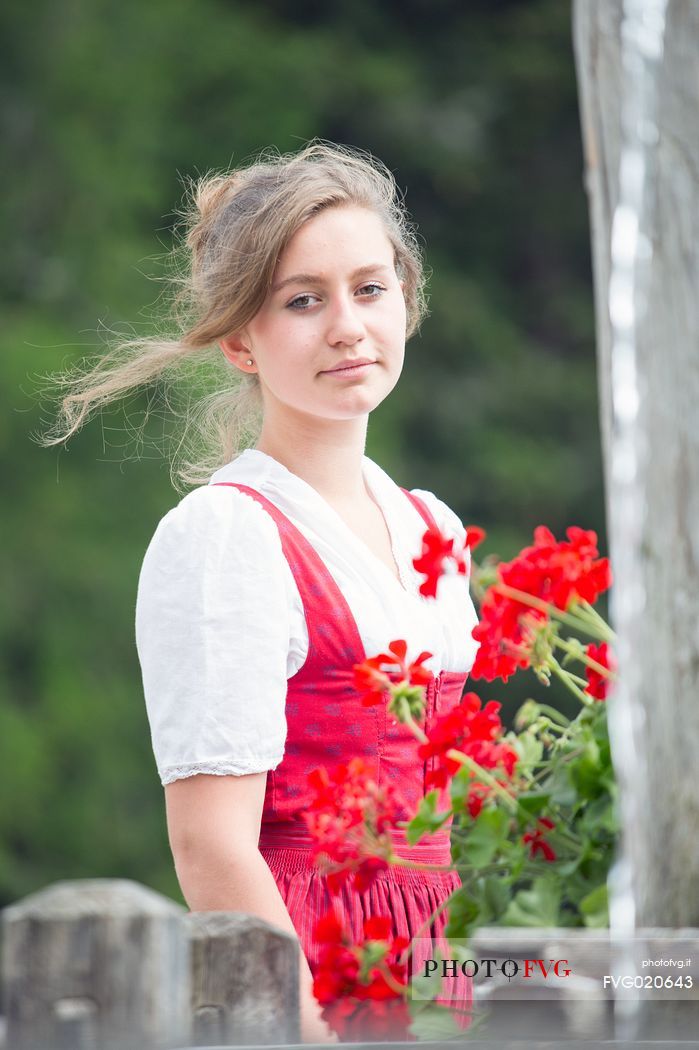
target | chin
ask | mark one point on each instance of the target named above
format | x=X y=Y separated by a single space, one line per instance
x=355 y=408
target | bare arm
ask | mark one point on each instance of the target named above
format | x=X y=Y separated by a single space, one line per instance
x=214 y=829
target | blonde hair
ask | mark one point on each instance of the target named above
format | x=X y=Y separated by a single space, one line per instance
x=236 y=225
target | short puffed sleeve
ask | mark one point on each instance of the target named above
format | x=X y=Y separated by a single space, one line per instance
x=213 y=658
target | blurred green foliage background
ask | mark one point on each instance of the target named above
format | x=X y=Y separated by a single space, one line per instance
x=106 y=106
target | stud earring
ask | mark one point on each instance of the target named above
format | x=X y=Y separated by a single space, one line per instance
x=249 y=361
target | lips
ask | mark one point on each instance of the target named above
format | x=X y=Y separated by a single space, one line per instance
x=351 y=363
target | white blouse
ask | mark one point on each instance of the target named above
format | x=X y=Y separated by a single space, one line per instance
x=220 y=625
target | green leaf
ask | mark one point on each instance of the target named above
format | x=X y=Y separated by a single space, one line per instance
x=600 y=728
x=562 y=790
x=459 y=789
x=435 y=1023
x=534 y=802
x=538 y=906
x=485 y=835
x=595 y=908
x=529 y=748
x=427 y=819
x=599 y=815
x=464 y=914
x=585 y=772
x=497 y=892
x=423 y=989
x=568 y=867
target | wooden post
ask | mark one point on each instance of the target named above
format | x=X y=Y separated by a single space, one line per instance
x=96 y=963
x=660 y=545
x=245 y=981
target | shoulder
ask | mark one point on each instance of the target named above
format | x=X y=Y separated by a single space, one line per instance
x=448 y=521
x=214 y=559
x=210 y=522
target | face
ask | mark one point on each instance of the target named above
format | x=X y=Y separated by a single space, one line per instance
x=329 y=340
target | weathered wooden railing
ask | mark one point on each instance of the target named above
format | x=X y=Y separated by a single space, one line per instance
x=106 y=964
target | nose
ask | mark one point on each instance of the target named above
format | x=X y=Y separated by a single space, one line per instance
x=345 y=325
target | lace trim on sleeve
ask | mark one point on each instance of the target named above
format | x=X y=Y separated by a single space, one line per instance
x=219 y=769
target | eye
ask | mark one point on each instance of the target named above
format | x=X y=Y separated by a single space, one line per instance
x=373 y=286
x=300 y=302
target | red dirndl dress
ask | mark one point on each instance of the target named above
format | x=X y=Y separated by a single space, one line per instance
x=328 y=725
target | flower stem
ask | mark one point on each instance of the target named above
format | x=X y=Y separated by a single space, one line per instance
x=396 y=986
x=566 y=679
x=571 y=648
x=584 y=624
x=403 y=862
x=592 y=614
x=415 y=728
x=512 y=803
x=557 y=716
x=486 y=777
x=546 y=771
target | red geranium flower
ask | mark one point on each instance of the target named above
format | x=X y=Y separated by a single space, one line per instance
x=369 y=1021
x=558 y=573
x=349 y=820
x=474 y=731
x=478 y=794
x=597 y=684
x=371 y=681
x=374 y=678
x=332 y=980
x=474 y=536
x=506 y=635
x=536 y=841
x=362 y=990
x=441 y=555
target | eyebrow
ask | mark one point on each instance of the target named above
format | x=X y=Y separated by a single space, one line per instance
x=314 y=278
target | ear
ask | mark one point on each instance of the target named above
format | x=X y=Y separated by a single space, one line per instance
x=235 y=349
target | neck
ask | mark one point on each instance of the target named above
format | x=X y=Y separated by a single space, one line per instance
x=328 y=457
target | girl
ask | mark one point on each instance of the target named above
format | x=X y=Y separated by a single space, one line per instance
x=295 y=560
